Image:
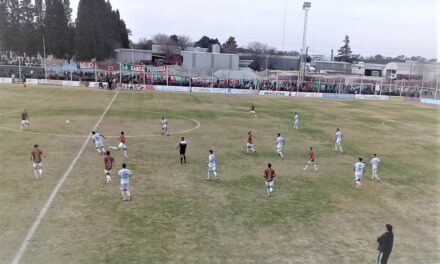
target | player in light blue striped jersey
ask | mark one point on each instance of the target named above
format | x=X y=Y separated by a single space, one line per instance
x=125 y=175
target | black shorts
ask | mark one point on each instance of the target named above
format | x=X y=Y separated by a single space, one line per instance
x=182 y=152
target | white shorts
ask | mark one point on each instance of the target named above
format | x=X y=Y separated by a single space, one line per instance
x=374 y=169
x=212 y=168
x=37 y=165
x=279 y=149
x=295 y=123
x=249 y=145
x=338 y=142
x=125 y=186
x=25 y=122
x=164 y=127
x=269 y=184
x=107 y=172
x=122 y=145
x=252 y=112
x=358 y=176
x=99 y=145
x=311 y=162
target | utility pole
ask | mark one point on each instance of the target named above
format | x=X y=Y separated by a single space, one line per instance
x=44 y=55
x=306 y=8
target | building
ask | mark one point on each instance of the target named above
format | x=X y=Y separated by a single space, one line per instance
x=412 y=70
x=284 y=63
x=332 y=67
x=199 y=59
x=133 y=56
x=367 y=69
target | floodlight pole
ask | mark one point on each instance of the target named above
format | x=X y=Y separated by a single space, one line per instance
x=19 y=67
x=44 y=54
x=306 y=8
x=266 y=66
x=436 y=90
x=120 y=74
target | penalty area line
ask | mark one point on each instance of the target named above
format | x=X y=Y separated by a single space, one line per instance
x=42 y=214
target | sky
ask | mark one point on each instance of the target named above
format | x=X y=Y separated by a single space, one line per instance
x=386 y=27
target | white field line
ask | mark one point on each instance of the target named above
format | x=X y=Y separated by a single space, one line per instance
x=52 y=196
x=79 y=136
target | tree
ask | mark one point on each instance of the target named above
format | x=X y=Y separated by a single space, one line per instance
x=98 y=30
x=4 y=23
x=258 y=52
x=230 y=46
x=143 y=43
x=161 y=39
x=27 y=26
x=206 y=42
x=56 y=29
x=344 y=53
x=11 y=33
x=184 y=42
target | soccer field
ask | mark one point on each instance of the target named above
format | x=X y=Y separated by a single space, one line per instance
x=176 y=216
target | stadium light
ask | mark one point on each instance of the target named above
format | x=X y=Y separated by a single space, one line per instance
x=302 y=64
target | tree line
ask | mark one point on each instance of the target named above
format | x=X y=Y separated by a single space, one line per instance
x=26 y=26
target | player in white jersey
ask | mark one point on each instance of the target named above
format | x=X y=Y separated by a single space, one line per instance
x=295 y=121
x=338 y=137
x=125 y=175
x=212 y=165
x=359 y=170
x=99 y=143
x=164 y=126
x=280 y=145
x=375 y=162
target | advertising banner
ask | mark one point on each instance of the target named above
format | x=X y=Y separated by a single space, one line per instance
x=156 y=69
x=208 y=90
x=70 y=83
x=96 y=85
x=308 y=95
x=136 y=87
x=5 y=80
x=430 y=101
x=172 y=88
x=86 y=65
x=407 y=99
x=274 y=93
x=371 y=97
x=32 y=81
x=240 y=91
x=338 y=96
x=51 y=82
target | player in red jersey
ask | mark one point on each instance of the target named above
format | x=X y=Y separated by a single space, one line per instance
x=37 y=162
x=269 y=178
x=24 y=120
x=250 y=143
x=252 y=110
x=108 y=164
x=311 y=161
x=122 y=144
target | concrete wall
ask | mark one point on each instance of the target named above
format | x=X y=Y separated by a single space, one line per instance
x=332 y=66
x=128 y=55
x=204 y=61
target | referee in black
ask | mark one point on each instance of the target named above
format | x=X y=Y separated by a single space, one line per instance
x=385 y=245
x=182 y=148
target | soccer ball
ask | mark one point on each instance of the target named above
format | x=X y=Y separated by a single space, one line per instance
x=67 y=121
